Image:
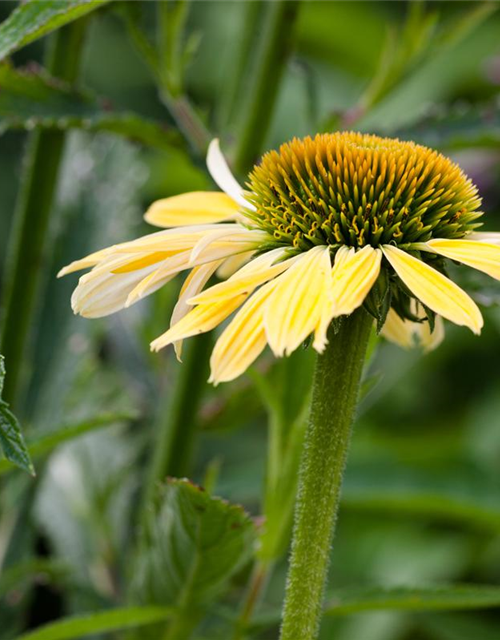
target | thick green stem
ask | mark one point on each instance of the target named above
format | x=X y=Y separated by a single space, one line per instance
x=30 y=227
x=335 y=394
x=173 y=448
x=275 y=46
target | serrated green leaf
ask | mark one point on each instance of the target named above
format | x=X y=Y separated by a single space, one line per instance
x=34 y=19
x=48 y=442
x=100 y=622
x=190 y=547
x=32 y=99
x=347 y=601
x=11 y=439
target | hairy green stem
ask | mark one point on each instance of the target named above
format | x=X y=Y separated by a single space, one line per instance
x=275 y=46
x=335 y=394
x=30 y=227
x=174 y=445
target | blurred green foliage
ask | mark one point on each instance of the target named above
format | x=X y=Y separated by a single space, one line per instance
x=421 y=501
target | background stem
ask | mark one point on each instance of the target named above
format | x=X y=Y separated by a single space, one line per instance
x=31 y=224
x=173 y=449
x=275 y=46
x=335 y=393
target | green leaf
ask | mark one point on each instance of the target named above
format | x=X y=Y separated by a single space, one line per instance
x=101 y=622
x=11 y=439
x=32 y=99
x=464 y=496
x=190 y=547
x=48 y=442
x=34 y=19
x=347 y=601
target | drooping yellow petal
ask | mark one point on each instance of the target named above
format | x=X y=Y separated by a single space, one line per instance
x=249 y=277
x=353 y=278
x=100 y=292
x=222 y=176
x=197 y=207
x=399 y=331
x=233 y=264
x=201 y=319
x=295 y=305
x=194 y=283
x=434 y=290
x=485 y=236
x=242 y=341
x=428 y=340
x=483 y=256
x=84 y=263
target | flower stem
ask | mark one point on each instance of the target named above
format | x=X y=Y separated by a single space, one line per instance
x=28 y=240
x=335 y=394
x=275 y=45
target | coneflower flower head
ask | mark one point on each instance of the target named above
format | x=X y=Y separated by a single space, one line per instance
x=326 y=225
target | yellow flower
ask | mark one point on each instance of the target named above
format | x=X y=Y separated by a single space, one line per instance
x=327 y=224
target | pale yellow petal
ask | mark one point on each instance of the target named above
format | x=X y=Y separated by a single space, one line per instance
x=201 y=319
x=431 y=340
x=483 y=256
x=194 y=283
x=247 y=278
x=353 y=278
x=485 y=236
x=100 y=293
x=399 y=331
x=434 y=290
x=84 y=263
x=197 y=207
x=222 y=176
x=233 y=264
x=295 y=305
x=242 y=341
x=163 y=272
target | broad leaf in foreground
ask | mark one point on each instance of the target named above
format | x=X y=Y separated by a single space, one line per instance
x=191 y=545
x=11 y=439
x=34 y=19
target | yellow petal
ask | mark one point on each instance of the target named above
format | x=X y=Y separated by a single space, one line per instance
x=201 y=319
x=485 y=236
x=295 y=306
x=242 y=341
x=352 y=279
x=233 y=264
x=194 y=283
x=483 y=256
x=434 y=290
x=198 y=207
x=84 y=263
x=399 y=331
x=428 y=340
x=222 y=176
x=245 y=280
x=100 y=293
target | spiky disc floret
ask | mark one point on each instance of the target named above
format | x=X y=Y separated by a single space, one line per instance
x=354 y=189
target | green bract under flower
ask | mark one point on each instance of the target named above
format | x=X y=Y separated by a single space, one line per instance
x=351 y=189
